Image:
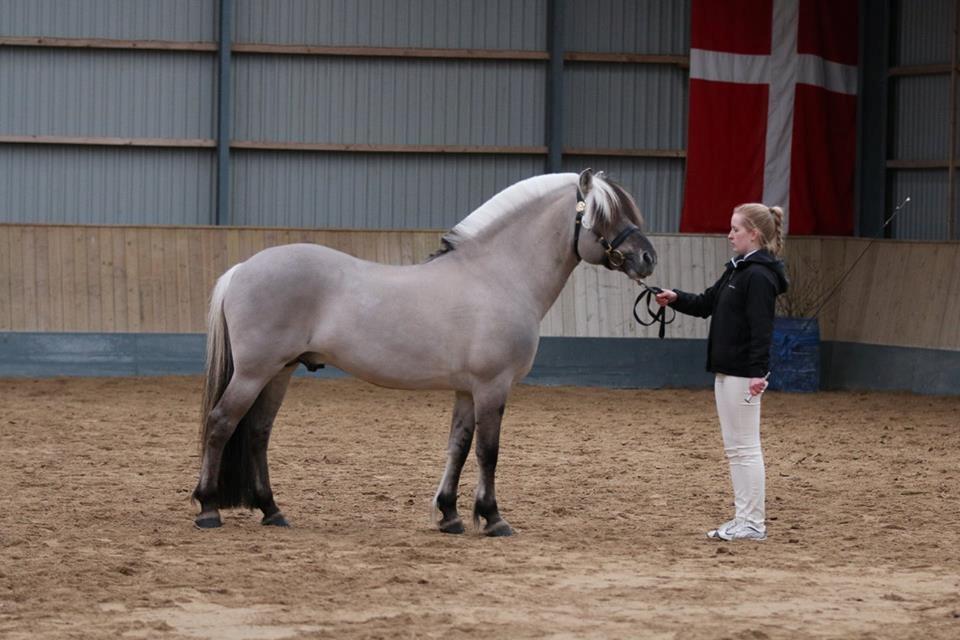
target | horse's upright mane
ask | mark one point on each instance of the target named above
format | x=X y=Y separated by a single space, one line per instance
x=494 y=211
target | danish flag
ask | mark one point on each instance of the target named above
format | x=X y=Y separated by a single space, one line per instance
x=773 y=110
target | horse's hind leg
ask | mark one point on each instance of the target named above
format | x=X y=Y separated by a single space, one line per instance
x=458 y=446
x=260 y=418
x=489 y=407
x=219 y=428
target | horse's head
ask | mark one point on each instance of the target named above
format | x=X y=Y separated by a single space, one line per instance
x=614 y=228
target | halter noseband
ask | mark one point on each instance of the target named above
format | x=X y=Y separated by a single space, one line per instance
x=615 y=257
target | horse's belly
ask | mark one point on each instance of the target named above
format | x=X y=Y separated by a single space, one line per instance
x=422 y=353
x=397 y=372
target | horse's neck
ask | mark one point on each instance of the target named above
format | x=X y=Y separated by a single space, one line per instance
x=534 y=252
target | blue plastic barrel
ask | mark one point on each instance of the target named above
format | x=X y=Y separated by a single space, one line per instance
x=795 y=355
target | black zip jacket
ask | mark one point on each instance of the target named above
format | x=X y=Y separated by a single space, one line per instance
x=742 y=303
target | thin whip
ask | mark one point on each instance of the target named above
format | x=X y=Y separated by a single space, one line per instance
x=836 y=286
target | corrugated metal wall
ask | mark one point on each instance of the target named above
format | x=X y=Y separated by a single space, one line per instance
x=632 y=26
x=923 y=31
x=376 y=101
x=141 y=124
x=383 y=101
x=98 y=185
x=920 y=127
x=630 y=106
x=183 y=20
x=475 y=24
x=368 y=190
x=91 y=94
x=143 y=94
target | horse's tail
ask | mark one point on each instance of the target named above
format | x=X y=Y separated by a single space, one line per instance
x=219 y=367
x=236 y=481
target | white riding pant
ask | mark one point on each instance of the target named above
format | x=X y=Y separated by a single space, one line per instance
x=740 y=427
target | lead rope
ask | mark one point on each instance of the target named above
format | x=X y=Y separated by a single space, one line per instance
x=660 y=315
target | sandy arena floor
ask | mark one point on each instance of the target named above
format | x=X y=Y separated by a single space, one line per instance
x=610 y=493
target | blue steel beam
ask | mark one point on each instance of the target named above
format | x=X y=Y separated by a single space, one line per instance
x=224 y=108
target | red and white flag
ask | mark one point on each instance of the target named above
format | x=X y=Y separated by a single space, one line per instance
x=773 y=107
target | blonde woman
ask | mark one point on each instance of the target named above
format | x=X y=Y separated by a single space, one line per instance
x=741 y=304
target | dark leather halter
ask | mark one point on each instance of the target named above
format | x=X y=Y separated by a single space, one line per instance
x=615 y=257
x=615 y=260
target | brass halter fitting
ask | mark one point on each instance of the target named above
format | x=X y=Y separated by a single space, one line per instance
x=615 y=258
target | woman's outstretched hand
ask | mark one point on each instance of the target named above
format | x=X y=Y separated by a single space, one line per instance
x=665 y=297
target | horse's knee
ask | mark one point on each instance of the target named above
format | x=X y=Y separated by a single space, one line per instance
x=218 y=429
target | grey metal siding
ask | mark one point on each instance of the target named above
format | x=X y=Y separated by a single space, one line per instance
x=628 y=26
x=625 y=106
x=921 y=118
x=178 y=20
x=630 y=106
x=368 y=191
x=389 y=101
x=923 y=31
x=143 y=94
x=105 y=185
x=463 y=24
x=923 y=218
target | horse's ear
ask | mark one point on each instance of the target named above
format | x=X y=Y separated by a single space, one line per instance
x=586 y=181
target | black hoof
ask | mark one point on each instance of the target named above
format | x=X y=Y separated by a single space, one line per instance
x=276 y=520
x=498 y=529
x=208 y=522
x=451 y=526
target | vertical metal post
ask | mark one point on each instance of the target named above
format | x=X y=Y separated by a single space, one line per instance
x=952 y=166
x=224 y=107
x=873 y=101
x=554 y=115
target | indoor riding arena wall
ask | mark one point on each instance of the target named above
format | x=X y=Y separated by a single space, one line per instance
x=131 y=300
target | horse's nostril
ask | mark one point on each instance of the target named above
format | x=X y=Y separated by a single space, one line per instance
x=648 y=258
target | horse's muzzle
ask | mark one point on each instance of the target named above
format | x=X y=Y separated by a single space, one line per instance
x=640 y=265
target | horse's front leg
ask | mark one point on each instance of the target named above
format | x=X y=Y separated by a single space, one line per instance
x=489 y=413
x=458 y=446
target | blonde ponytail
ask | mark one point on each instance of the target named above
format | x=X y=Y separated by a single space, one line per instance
x=768 y=221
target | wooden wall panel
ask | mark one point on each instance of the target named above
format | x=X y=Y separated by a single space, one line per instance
x=948 y=290
x=158 y=279
x=6 y=308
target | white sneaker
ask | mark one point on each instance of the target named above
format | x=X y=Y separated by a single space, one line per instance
x=714 y=534
x=737 y=530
